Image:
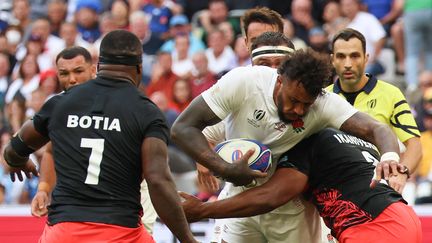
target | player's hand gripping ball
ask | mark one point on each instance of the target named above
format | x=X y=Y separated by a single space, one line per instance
x=233 y=149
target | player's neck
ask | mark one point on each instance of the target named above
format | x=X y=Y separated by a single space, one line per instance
x=118 y=75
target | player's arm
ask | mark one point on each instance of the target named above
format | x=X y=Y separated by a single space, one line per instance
x=413 y=153
x=23 y=143
x=187 y=133
x=162 y=189
x=369 y=129
x=47 y=180
x=284 y=185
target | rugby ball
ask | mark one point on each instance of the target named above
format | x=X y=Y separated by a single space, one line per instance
x=233 y=149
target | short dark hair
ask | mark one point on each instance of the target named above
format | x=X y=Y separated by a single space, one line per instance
x=262 y=15
x=74 y=51
x=272 y=39
x=308 y=68
x=347 y=34
x=121 y=43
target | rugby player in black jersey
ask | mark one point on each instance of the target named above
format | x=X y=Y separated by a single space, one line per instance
x=107 y=137
x=333 y=170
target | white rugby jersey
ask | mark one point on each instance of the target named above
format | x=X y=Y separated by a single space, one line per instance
x=243 y=98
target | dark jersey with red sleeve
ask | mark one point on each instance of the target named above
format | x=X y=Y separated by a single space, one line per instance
x=340 y=168
x=96 y=130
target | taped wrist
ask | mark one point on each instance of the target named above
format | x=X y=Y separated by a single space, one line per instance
x=20 y=147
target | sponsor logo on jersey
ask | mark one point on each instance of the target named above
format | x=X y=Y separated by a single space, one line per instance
x=280 y=126
x=96 y=122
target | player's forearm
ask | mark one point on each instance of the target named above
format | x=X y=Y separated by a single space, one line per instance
x=364 y=126
x=47 y=179
x=413 y=154
x=249 y=203
x=167 y=205
x=385 y=139
x=193 y=142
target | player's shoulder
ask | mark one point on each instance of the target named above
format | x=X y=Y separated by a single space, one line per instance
x=328 y=96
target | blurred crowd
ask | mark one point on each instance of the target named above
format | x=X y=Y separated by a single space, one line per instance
x=189 y=44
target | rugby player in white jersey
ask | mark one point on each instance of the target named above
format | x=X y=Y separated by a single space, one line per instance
x=295 y=106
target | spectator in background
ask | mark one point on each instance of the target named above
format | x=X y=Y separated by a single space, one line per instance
x=318 y=40
x=28 y=79
x=386 y=11
x=333 y=19
x=86 y=17
x=160 y=17
x=219 y=55
x=35 y=103
x=301 y=18
x=424 y=178
x=13 y=36
x=290 y=33
x=120 y=12
x=69 y=33
x=34 y=46
x=201 y=77
x=425 y=82
x=182 y=63
x=191 y=7
x=163 y=78
x=16 y=112
x=179 y=25
x=371 y=28
x=52 y=44
x=49 y=83
x=106 y=25
x=182 y=94
x=138 y=24
x=163 y=103
x=242 y=53
x=418 y=36
x=228 y=31
x=21 y=15
x=216 y=14
x=5 y=79
x=38 y=8
x=56 y=14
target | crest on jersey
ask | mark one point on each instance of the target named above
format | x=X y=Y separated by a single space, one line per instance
x=298 y=125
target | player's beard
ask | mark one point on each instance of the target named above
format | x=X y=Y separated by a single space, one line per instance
x=280 y=112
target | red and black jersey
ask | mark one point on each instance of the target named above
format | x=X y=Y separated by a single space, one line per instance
x=96 y=130
x=340 y=168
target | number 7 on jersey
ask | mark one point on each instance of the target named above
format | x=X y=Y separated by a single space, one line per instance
x=97 y=147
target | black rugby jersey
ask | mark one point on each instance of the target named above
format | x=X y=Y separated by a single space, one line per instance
x=96 y=130
x=340 y=168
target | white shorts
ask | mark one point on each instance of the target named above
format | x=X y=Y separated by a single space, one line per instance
x=300 y=223
x=150 y=215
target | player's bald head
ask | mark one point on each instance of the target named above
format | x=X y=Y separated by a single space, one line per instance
x=121 y=43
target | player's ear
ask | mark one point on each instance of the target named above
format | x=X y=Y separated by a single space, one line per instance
x=94 y=69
